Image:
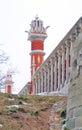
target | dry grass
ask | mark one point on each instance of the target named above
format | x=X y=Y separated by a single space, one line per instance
x=32 y=116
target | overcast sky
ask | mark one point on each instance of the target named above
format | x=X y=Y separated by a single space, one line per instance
x=15 y=18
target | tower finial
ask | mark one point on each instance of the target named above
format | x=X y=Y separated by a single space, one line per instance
x=36 y=16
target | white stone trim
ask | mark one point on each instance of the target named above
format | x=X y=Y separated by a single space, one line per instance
x=37 y=51
x=36 y=36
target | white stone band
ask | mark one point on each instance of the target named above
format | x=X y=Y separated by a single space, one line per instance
x=37 y=51
x=35 y=36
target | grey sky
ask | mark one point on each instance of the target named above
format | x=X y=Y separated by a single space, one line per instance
x=15 y=18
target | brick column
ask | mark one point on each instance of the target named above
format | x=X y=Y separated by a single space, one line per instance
x=55 y=85
x=63 y=59
x=36 y=87
x=48 y=79
x=67 y=60
x=59 y=68
x=52 y=70
x=45 y=78
x=41 y=83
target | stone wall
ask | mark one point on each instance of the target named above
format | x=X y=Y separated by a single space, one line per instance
x=74 y=105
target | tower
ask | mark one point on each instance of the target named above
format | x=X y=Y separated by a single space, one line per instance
x=37 y=34
x=8 y=83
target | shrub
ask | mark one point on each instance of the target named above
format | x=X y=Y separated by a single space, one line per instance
x=35 y=113
x=8 y=95
x=20 y=102
x=10 y=111
x=22 y=97
x=63 y=122
x=21 y=110
x=13 y=110
x=1 y=122
x=44 y=109
x=1 y=112
x=6 y=101
x=66 y=129
x=63 y=114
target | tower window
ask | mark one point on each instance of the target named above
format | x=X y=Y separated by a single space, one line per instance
x=34 y=22
x=38 y=23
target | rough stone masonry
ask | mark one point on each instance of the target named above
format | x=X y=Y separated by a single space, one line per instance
x=74 y=105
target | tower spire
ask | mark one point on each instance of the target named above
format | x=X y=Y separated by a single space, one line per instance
x=36 y=16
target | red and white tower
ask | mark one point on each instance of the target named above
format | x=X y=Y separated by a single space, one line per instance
x=37 y=34
x=8 y=83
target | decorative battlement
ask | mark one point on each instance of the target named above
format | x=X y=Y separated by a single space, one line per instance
x=37 y=30
x=37 y=26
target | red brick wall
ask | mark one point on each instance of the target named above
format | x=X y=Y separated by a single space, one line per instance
x=37 y=45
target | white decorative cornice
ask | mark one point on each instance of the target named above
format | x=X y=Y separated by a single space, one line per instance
x=35 y=36
x=37 y=51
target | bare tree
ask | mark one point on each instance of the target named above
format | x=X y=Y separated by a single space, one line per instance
x=3 y=57
x=3 y=61
x=5 y=66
